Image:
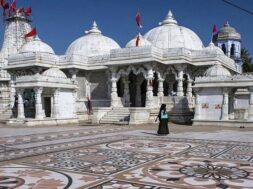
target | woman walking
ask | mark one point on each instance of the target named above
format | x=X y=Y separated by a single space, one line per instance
x=163 y=121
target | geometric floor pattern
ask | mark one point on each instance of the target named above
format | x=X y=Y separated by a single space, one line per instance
x=132 y=162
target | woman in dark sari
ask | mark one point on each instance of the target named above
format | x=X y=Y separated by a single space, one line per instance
x=163 y=121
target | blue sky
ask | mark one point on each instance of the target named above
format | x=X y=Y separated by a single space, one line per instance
x=60 y=22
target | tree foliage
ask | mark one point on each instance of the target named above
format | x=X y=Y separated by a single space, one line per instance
x=247 y=61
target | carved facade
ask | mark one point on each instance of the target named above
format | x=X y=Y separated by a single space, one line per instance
x=96 y=78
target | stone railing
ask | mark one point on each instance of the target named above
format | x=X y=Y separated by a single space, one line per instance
x=41 y=78
x=73 y=59
x=32 y=58
x=4 y=75
x=244 y=77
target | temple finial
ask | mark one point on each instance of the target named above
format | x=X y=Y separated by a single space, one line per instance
x=94 y=29
x=169 y=19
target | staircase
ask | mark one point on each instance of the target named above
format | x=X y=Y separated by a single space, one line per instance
x=117 y=116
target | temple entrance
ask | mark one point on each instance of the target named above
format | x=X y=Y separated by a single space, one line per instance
x=29 y=103
x=132 y=90
x=47 y=105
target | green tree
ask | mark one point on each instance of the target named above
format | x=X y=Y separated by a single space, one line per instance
x=247 y=65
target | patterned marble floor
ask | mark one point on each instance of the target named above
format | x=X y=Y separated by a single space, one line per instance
x=124 y=161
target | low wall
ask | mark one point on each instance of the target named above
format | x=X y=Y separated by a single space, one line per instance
x=223 y=123
x=139 y=115
x=44 y=122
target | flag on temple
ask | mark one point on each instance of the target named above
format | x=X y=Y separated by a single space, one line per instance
x=215 y=29
x=137 y=41
x=150 y=82
x=138 y=19
x=13 y=5
x=32 y=33
x=2 y=3
x=5 y=7
x=21 y=10
x=28 y=11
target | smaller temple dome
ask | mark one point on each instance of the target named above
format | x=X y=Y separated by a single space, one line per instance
x=36 y=45
x=54 y=72
x=212 y=48
x=142 y=42
x=228 y=32
x=92 y=44
x=216 y=71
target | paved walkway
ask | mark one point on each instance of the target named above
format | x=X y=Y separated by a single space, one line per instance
x=126 y=157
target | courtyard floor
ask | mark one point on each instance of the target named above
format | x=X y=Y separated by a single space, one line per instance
x=126 y=157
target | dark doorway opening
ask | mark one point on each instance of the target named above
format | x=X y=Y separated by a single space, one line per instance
x=47 y=103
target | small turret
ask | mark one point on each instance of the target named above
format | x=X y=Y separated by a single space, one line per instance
x=229 y=40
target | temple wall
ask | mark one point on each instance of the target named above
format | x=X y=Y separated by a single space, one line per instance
x=99 y=86
x=66 y=104
x=211 y=100
x=242 y=102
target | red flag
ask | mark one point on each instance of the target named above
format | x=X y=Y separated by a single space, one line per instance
x=138 y=19
x=150 y=82
x=6 y=6
x=13 y=5
x=21 y=10
x=32 y=33
x=2 y=3
x=137 y=41
x=28 y=11
x=215 y=29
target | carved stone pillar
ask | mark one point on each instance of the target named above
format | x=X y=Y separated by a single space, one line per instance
x=197 y=114
x=224 y=115
x=114 y=94
x=21 y=112
x=160 y=87
x=180 y=79
x=39 y=114
x=138 y=91
x=56 y=111
x=149 y=92
x=75 y=104
x=160 y=90
x=126 y=92
x=250 y=110
x=189 y=88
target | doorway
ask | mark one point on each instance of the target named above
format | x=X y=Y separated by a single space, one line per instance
x=47 y=103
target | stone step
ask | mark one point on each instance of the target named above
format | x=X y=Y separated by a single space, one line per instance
x=117 y=115
x=115 y=122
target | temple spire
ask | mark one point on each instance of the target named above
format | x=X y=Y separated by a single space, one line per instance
x=94 y=29
x=15 y=29
x=169 y=19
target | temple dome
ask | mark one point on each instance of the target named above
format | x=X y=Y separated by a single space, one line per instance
x=228 y=32
x=142 y=42
x=216 y=71
x=170 y=35
x=54 y=72
x=92 y=44
x=36 y=45
x=212 y=48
